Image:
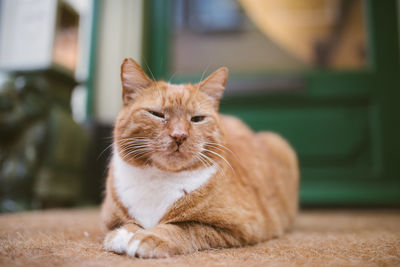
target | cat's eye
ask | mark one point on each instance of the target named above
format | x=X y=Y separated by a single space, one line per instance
x=197 y=118
x=157 y=114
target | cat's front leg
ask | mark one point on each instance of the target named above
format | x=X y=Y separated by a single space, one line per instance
x=165 y=240
x=117 y=240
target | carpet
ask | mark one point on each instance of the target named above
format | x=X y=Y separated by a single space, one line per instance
x=319 y=238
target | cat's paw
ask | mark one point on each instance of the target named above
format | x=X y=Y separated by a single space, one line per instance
x=149 y=245
x=117 y=240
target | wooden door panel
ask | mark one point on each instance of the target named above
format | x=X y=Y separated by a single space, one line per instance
x=317 y=133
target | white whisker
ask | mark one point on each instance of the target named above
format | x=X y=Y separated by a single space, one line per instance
x=218 y=155
x=205 y=163
x=221 y=148
x=141 y=155
x=134 y=146
x=201 y=78
x=173 y=75
x=214 y=163
x=102 y=152
x=208 y=160
x=134 y=153
x=152 y=75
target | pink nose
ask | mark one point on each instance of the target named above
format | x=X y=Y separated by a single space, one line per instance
x=179 y=136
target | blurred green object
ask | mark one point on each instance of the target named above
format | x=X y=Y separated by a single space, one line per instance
x=344 y=124
x=60 y=178
x=23 y=133
x=42 y=150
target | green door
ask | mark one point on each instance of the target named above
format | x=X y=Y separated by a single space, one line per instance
x=343 y=123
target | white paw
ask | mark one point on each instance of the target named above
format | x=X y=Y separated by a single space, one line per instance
x=117 y=240
x=132 y=248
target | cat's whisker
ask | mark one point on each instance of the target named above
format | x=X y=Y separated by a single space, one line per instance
x=152 y=75
x=134 y=143
x=138 y=145
x=127 y=149
x=217 y=144
x=135 y=153
x=147 y=66
x=133 y=139
x=201 y=78
x=123 y=141
x=209 y=161
x=214 y=164
x=204 y=72
x=130 y=149
x=218 y=155
x=205 y=163
x=172 y=76
x=136 y=137
x=139 y=156
x=120 y=137
x=133 y=147
x=216 y=147
x=123 y=153
x=102 y=152
x=198 y=157
x=137 y=149
x=221 y=148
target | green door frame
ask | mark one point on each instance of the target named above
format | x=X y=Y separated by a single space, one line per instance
x=371 y=94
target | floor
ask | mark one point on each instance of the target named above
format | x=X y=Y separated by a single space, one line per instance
x=320 y=238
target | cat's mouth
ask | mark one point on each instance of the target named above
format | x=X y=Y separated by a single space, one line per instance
x=175 y=158
x=177 y=149
x=177 y=152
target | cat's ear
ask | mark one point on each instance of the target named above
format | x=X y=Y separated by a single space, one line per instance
x=133 y=80
x=214 y=85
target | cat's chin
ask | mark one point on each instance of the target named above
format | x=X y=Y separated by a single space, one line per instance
x=175 y=162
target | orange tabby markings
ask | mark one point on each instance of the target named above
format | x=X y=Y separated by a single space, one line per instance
x=185 y=178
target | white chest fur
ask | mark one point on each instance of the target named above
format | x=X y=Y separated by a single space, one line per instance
x=147 y=193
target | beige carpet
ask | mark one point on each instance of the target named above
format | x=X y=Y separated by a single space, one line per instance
x=320 y=238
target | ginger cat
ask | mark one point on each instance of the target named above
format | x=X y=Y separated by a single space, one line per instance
x=185 y=178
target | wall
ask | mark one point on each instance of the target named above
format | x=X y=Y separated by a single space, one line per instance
x=120 y=36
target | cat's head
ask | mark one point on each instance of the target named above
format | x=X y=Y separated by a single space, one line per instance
x=172 y=127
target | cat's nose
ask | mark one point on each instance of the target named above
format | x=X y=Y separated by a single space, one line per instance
x=179 y=136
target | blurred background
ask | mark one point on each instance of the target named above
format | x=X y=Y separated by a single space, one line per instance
x=325 y=74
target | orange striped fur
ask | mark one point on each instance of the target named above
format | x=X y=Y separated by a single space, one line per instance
x=251 y=197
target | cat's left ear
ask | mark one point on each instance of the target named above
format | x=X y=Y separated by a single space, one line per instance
x=214 y=85
x=133 y=80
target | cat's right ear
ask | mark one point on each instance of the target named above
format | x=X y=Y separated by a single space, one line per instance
x=133 y=80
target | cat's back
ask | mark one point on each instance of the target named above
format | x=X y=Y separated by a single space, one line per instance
x=267 y=163
x=235 y=130
x=262 y=145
